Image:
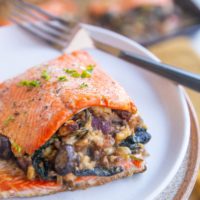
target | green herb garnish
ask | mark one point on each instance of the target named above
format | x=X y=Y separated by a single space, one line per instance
x=62 y=78
x=75 y=74
x=72 y=73
x=90 y=68
x=8 y=120
x=45 y=75
x=88 y=72
x=33 y=83
x=16 y=147
x=85 y=74
x=83 y=85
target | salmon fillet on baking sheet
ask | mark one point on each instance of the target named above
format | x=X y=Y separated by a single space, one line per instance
x=67 y=125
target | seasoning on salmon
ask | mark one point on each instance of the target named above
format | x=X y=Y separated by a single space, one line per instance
x=66 y=133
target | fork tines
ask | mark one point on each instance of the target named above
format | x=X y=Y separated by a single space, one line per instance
x=53 y=30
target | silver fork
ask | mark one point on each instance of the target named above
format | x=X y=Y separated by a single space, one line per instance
x=59 y=33
x=53 y=30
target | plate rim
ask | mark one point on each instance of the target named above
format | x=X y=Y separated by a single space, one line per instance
x=179 y=89
x=191 y=174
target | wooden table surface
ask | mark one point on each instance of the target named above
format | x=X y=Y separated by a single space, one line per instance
x=183 y=52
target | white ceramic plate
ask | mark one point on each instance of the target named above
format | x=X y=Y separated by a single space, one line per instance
x=160 y=102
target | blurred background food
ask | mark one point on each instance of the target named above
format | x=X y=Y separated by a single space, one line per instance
x=153 y=23
x=142 y=20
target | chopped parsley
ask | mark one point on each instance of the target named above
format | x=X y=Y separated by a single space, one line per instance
x=62 y=78
x=83 y=85
x=45 y=75
x=8 y=120
x=72 y=73
x=88 y=72
x=16 y=147
x=90 y=68
x=32 y=83
x=85 y=73
x=75 y=74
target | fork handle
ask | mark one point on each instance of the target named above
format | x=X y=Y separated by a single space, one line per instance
x=178 y=75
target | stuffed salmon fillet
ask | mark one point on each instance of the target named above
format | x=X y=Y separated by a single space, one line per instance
x=67 y=125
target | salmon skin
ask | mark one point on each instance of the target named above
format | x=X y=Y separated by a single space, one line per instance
x=35 y=104
x=31 y=114
x=13 y=183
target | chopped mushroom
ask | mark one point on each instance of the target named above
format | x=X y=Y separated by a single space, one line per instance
x=94 y=143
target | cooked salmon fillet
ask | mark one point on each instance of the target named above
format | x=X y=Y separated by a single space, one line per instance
x=42 y=110
x=65 y=8
x=100 y=7
x=61 y=7
x=67 y=125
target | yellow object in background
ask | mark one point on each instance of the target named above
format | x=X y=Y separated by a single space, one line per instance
x=179 y=52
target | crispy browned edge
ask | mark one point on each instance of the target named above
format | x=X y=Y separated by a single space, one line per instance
x=100 y=181
x=104 y=180
x=40 y=190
